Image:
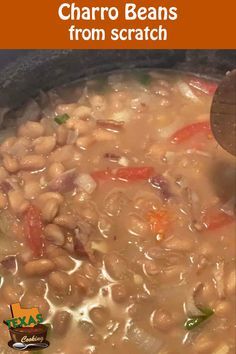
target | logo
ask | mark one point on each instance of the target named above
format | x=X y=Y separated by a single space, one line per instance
x=26 y=329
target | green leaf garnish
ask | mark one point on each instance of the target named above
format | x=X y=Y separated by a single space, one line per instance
x=62 y=118
x=195 y=321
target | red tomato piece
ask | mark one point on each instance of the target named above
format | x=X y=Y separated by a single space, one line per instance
x=134 y=173
x=189 y=131
x=33 y=230
x=204 y=86
x=217 y=219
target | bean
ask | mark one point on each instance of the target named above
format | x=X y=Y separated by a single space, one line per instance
x=98 y=102
x=55 y=251
x=10 y=164
x=59 y=281
x=39 y=267
x=54 y=234
x=3 y=200
x=31 y=190
x=17 y=201
x=137 y=226
x=103 y=135
x=7 y=144
x=90 y=271
x=31 y=129
x=65 y=108
x=115 y=266
x=39 y=287
x=61 y=135
x=81 y=112
x=44 y=145
x=55 y=170
x=119 y=293
x=62 y=154
x=81 y=126
x=222 y=308
x=11 y=293
x=61 y=322
x=84 y=142
x=64 y=262
x=84 y=284
x=231 y=283
x=43 y=198
x=151 y=268
x=162 y=320
x=179 y=244
x=203 y=344
x=50 y=209
x=99 y=315
x=32 y=162
x=66 y=220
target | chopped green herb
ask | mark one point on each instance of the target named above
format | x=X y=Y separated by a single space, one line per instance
x=61 y=119
x=143 y=78
x=195 y=321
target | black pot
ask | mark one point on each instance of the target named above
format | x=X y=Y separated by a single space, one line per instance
x=24 y=73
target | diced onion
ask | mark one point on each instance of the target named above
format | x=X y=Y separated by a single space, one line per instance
x=186 y=91
x=219 y=279
x=147 y=344
x=123 y=161
x=86 y=182
x=121 y=116
x=100 y=246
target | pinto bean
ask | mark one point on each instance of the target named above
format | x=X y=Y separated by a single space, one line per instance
x=7 y=144
x=54 y=234
x=99 y=315
x=222 y=308
x=66 y=220
x=64 y=262
x=137 y=226
x=150 y=267
x=81 y=112
x=39 y=267
x=82 y=126
x=61 y=135
x=55 y=251
x=84 y=142
x=90 y=214
x=63 y=154
x=65 y=108
x=32 y=162
x=59 y=281
x=17 y=201
x=43 y=198
x=44 y=144
x=10 y=164
x=84 y=284
x=162 y=320
x=31 y=129
x=179 y=244
x=119 y=293
x=61 y=322
x=31 y=190
x=115 y=266
x=203 y=344
x=50 y=209
x=89 y=271
x=103 y=135
x=55 y=169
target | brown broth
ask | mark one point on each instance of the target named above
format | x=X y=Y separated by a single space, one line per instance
x=124 y=253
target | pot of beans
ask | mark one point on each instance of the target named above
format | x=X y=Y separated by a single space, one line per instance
x=117 y=205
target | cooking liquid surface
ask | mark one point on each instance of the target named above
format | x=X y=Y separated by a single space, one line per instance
x=119 y=222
